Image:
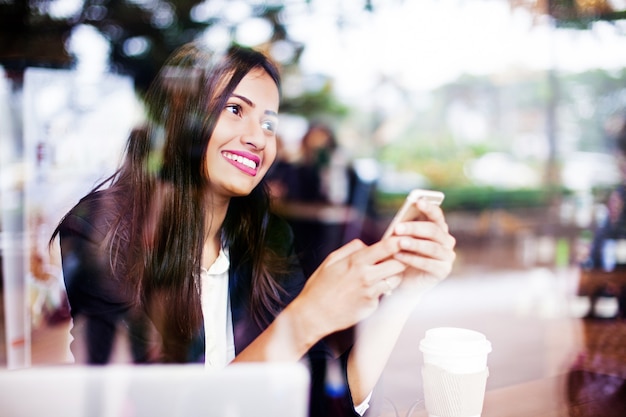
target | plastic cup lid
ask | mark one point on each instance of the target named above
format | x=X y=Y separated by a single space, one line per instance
x=454 y=341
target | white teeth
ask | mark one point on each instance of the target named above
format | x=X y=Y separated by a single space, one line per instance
x=244 y=161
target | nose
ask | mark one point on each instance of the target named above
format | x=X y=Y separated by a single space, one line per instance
x=254 y=135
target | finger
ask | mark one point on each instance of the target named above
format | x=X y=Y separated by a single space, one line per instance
x=439 y=265
x=394 y=281
x=388 y=284
x=389 y=268
x=430 y=247
x=368 y=264
x=376 y=253
x=414 y=249
x=386 y=289
x=426 y=231
x=433 y=212
x=344 y=251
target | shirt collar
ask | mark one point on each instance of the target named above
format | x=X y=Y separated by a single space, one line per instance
x=221 y=264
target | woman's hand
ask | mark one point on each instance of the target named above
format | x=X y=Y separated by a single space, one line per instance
x=427 y=249
x=427 y=252
x=347 y=286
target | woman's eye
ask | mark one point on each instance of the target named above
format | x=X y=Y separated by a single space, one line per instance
x=234 y=109
x=269 y=125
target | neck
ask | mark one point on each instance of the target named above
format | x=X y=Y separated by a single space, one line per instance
x=216 y=213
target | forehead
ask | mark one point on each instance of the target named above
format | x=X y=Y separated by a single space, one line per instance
x=259 y=87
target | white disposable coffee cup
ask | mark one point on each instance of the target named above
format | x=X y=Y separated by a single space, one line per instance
x=455 y=371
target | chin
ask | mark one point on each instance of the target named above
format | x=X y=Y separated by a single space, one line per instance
x=238 y=191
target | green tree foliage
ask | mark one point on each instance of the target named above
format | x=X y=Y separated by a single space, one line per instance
x=32 y=34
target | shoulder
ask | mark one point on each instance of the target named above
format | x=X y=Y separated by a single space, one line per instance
x=91 y=216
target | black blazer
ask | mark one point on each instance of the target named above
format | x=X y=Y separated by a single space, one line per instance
x=99 y=303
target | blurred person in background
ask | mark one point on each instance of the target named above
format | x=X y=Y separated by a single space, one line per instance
x=281 y=178
x=312 y=191
x=322 y=168
x=608 y=246
x=180 y=244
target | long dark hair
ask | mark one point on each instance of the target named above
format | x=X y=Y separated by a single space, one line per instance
x=155 y=243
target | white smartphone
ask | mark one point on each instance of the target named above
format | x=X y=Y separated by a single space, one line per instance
x=409 y=210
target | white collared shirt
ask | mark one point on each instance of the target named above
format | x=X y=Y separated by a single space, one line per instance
x=218 y=323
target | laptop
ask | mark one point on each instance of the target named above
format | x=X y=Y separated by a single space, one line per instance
x=239 y=390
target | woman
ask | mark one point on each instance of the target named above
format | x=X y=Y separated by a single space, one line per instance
x=182 y=243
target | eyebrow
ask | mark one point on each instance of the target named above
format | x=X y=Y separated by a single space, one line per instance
x=251 y=104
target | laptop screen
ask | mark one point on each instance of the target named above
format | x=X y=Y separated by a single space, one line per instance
x=239 y=390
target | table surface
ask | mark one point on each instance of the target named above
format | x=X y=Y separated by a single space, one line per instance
x=575 y=394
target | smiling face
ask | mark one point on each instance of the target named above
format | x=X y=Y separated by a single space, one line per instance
x=243 y=145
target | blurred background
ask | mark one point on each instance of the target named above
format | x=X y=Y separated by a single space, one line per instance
x=509 y=107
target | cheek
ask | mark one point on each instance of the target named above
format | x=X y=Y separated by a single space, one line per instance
x=211 y=156
x=270 y=153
